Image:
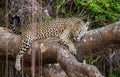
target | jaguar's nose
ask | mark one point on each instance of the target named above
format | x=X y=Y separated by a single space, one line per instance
x=76 y=39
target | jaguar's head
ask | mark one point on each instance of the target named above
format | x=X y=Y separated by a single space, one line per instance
x=79 y=30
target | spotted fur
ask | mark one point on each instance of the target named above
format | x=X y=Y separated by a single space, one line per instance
x=64 y=28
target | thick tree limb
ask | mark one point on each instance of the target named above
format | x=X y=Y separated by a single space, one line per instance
x=76 y=69
x=99 y=41
x=95 y=42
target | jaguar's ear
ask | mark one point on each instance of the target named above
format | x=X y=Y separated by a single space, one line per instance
x=87 y=24
x=71 y=25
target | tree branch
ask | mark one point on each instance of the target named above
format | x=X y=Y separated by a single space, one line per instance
x=99 y=41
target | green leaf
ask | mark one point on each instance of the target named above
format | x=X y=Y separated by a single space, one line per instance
x=47 y=18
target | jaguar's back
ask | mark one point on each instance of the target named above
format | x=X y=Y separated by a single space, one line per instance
x=53 y=28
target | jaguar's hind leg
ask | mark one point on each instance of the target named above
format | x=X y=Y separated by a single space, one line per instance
x=24 y=47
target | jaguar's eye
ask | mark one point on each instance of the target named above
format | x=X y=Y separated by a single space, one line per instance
x=80 y=31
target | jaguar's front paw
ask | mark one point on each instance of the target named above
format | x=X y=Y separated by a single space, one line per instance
x=73 y=51
x=18 y=66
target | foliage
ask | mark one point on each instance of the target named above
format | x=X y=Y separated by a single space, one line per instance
x=47 y=18
x=99 y=12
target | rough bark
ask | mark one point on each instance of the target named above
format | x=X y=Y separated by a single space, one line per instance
x=99 y=41
x=96 y=42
